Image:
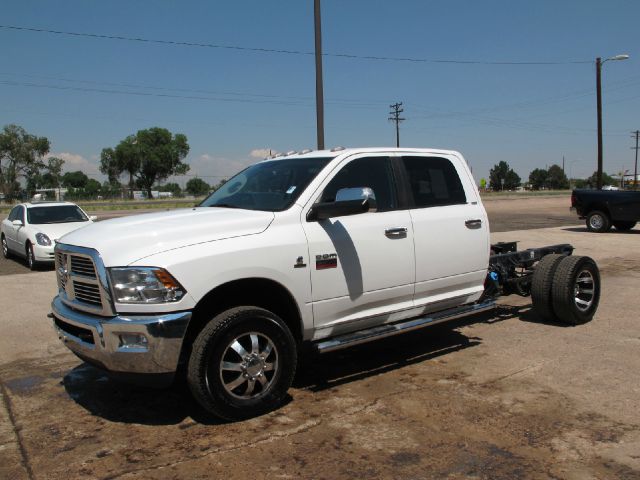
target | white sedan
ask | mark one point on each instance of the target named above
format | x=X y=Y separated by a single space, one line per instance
x=31 y=229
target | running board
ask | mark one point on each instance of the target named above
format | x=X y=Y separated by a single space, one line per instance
x=382 y=331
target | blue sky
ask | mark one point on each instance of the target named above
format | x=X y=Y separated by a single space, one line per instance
x=86 y=94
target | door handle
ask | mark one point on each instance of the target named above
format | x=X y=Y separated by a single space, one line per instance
x=473 y=224
x=396 y=232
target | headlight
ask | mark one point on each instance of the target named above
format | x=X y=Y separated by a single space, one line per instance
x=42 y=239
x=144 y=285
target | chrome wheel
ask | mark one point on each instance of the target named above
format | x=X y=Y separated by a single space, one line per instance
x=30 y=260
x=5 y=248
x=248 y=365
x=584 y=290
x=596 y=222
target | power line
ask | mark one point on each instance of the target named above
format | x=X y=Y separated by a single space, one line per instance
x=295 y=101
x=287 y=52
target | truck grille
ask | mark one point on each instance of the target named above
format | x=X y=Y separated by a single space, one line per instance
x=83 y=266
x=87 y=292
x=82 y=279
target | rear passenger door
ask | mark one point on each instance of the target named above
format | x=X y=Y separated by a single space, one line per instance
x=451 y=232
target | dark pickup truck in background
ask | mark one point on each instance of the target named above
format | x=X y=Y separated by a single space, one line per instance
x=605 y=208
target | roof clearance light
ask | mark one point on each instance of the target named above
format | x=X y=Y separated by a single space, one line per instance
x=337 y=149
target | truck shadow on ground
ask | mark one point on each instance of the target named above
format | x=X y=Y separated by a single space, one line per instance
x=321 y=372
x=120 y=402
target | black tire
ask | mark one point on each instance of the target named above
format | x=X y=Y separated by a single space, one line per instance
x=31 y=259
x=598 y=221
x=624 y=226
x=249 y=370
x=5 y=248
x=541 y=286
x=576 y=290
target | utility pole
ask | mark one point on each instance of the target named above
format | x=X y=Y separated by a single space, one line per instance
x=635 y=170
x=319 y=89
x=395 y=117
x=599 y=113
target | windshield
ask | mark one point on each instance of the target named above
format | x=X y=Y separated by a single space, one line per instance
x=55 y=214
x=270 y=186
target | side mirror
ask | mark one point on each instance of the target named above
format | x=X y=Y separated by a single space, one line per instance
x=17 y=223
x=93 y=218
x=349 y=201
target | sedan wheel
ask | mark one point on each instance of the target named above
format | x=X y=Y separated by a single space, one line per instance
x=5 y=248
x=31 y=259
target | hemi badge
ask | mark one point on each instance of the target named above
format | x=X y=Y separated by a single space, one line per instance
x=328 y=260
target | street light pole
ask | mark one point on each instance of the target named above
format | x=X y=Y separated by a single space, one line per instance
x=599 y=63
x=319 y=89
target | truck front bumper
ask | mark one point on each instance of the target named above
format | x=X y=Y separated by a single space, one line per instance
x=141 y=348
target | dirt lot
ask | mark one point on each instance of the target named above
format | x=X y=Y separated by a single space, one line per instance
x=501 y=396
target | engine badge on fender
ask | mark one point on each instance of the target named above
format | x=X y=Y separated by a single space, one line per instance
x=327 y=260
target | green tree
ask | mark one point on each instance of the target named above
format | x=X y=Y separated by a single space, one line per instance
x=75 y=179
x=111 y=189
x=21 y=155
x=483 y=184
x=92 y=188
x=502 y=171
x=149 y=156
x=197 y=187
x=607 y=179
x=171 y=187
x=538 y=178
x=556 y=178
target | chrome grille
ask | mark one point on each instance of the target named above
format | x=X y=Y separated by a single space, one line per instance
x=83 y=266
x=87 y=292
x=61 y=269
x=82 y=279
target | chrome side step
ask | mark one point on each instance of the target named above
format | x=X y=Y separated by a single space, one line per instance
x=381 y=331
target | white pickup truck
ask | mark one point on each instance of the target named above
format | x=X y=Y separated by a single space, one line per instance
x=324 y=249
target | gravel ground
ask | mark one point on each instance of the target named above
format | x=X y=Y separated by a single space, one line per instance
x=498 y=396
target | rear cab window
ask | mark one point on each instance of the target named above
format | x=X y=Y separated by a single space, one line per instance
x=433 y=181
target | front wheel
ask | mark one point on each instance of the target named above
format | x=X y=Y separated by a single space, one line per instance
x=5 y=248
x=598 y=221
x=242 y=363
x=31 y=259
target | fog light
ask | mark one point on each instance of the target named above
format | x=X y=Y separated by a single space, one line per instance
x=133 y=340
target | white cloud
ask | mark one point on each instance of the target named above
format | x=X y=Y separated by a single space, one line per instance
x=212 y=168
x=74 y=162
x=260 y=153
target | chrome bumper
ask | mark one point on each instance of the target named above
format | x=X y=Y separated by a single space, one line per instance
x=132 y=344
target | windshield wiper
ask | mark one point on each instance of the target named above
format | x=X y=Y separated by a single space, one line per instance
x=224 y=205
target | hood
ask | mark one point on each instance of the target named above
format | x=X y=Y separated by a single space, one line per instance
x=56 y=230
x=121 y=241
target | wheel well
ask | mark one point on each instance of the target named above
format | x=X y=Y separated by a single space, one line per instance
x=600 y=207
x=258 y=292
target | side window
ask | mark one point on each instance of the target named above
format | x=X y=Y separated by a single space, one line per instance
x=15 y=214
x=434 y=182
x=20 y=215
x=372 y=172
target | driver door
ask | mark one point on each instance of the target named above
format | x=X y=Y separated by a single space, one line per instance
x=12 y=230
x=362 y=266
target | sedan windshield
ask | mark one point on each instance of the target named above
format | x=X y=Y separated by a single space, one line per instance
x=270 y=186
x=55 y=214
